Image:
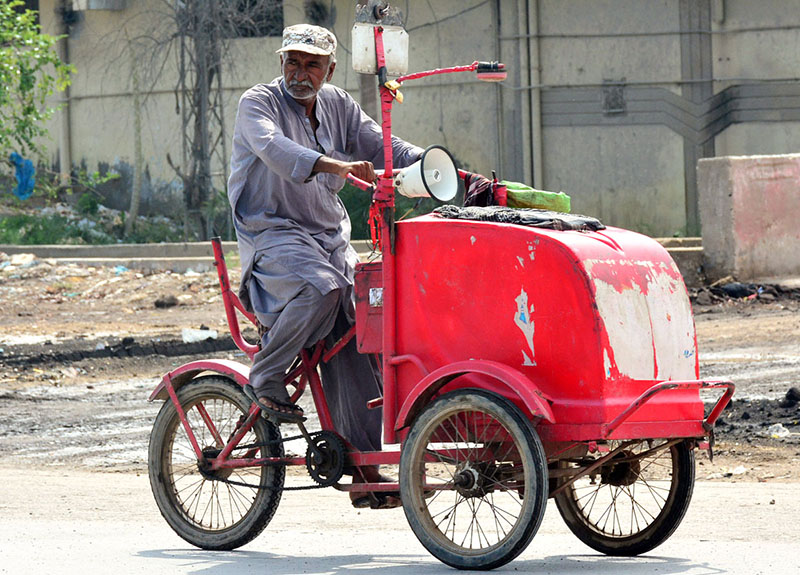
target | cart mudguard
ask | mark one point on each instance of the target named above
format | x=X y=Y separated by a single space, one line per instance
x=528 y=393
x=234 y=370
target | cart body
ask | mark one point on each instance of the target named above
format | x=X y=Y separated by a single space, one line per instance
x=590 y=319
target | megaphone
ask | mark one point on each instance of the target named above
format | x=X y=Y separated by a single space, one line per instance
x=434 y=175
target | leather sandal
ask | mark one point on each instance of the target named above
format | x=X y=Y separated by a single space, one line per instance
x=375 y=499
x=296 y=416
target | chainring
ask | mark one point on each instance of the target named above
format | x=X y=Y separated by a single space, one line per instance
x=326 y=467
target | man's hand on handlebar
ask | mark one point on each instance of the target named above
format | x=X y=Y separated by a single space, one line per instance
x=362 y=170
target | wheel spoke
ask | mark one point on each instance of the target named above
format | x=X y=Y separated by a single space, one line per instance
x=506 y=516
x=478 y=529
x=642 y=509
x=498 y=528
x=654 y=493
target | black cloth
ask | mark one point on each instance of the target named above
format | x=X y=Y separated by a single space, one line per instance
x=521 y=216
x=350 y=380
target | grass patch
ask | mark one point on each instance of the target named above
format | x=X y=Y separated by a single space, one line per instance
x=27 y=230
x=70 y=228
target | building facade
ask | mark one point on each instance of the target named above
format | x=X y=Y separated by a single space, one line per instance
x=610 y=101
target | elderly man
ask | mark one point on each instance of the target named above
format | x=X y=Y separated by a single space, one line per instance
x=295 y=141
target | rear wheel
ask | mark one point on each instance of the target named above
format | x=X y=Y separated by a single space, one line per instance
x=634 y=502
x=473 y=480
x=197 y=503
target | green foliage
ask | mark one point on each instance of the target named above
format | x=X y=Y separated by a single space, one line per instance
x=26 y=229
x=411 y=208
x=87 y=204
x=149 y=231
x=49 y=183
x=30 y=71
x=94 y=179
x=37 y=229
x=358 y=201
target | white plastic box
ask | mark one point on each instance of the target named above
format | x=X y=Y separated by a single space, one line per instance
x=395 y=48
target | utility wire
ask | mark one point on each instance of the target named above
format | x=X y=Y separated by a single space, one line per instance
x=654 y=83
x=450 y=17
x=581 y=35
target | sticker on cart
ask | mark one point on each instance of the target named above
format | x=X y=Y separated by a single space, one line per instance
x=524 y=321
x=376 y=297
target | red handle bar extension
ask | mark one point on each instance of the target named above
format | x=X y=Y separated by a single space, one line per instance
x=231 y=302
x=669 y=385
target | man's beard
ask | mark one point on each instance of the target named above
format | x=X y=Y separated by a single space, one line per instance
x=303 y=90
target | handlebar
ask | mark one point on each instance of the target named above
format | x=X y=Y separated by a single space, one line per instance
x=361 y=184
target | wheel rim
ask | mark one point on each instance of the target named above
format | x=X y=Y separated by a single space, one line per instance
x=471 y=481
x=623 y=498
x=205 y=501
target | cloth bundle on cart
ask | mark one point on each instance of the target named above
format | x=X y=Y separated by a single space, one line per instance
x=522 y=217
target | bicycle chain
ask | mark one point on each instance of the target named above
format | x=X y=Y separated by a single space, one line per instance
x=275 y=464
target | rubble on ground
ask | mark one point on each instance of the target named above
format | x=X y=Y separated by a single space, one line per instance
x=747 y=420
x=732 y=293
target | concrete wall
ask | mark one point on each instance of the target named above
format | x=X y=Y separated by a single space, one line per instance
x=625 y=176
x=611 y=101
x=615 y=162
x=766 y=48
x=749 y=207
x=627 y=151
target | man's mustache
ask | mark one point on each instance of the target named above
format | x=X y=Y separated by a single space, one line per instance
x=301 y=83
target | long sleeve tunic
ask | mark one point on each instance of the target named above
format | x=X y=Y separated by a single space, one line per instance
x=291 y=225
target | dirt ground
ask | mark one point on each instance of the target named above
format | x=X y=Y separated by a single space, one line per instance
x=81 y=348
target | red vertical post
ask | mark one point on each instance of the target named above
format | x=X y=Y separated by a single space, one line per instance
x=385 y=195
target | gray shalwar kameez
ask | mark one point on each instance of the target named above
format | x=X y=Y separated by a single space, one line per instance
x=294 y=239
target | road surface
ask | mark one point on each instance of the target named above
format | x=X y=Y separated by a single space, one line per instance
x=57 y=520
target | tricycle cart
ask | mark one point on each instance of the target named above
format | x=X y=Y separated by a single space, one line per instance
x=520 y=362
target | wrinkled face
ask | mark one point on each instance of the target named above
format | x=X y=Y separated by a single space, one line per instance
x=304 y=74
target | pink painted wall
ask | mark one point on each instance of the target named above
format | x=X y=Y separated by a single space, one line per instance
x=750 y=215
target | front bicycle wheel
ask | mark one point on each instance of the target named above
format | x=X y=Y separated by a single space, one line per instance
x=634 y=502
x=473 y=479
x=206 y=508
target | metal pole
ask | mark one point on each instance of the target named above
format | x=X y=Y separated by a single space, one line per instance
x=535 y=95
x=65 y=135
x=525 y=76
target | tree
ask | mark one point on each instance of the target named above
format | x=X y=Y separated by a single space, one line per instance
x=30 y=72
x=196 y=33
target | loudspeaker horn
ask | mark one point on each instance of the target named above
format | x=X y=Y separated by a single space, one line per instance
x=434 y=175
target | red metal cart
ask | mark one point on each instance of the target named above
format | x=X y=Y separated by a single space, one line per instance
x=519 y=363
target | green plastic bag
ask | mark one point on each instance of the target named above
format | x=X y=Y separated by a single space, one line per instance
x=522 y=196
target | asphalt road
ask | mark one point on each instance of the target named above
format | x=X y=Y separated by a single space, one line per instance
x=58 y=520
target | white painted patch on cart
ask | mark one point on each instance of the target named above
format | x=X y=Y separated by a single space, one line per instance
x=524 y=320
x=650 y=331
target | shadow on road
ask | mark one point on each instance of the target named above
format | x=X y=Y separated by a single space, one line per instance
x=237 y=562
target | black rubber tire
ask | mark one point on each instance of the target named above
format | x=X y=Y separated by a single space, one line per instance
x=665 y=480
x=513 y=477
x=190 y=502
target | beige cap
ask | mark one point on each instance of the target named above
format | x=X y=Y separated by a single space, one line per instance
x=309 y=39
